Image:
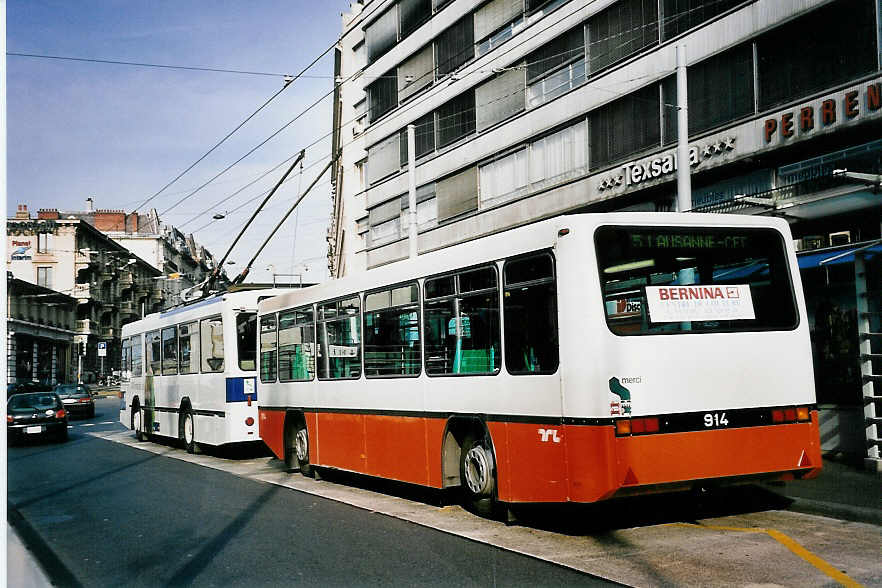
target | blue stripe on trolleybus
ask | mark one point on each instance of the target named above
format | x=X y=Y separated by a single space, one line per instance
x=238 y=389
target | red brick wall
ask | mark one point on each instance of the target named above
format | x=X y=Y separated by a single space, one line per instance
x=110 y=220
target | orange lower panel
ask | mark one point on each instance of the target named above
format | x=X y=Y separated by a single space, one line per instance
x=338 y=441
x=272 y=430
x=396 y=448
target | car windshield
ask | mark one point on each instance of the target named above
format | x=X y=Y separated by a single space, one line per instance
x=71 y=389
x=36 y=401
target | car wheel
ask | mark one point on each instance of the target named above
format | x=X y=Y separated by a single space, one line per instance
x=62 y=435
x=301 y=450
x=477 y=471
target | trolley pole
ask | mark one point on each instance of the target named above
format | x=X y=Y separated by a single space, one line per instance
x=684 y=182
x=411 y=191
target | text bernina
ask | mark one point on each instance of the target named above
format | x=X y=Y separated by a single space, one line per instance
x=826 y=116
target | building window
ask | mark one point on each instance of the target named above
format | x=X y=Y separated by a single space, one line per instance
x=416 y=73
x=137 y=356
x=561 y=50
x=392 y=332
x=383 y=95
x=424 y=137
x=456 y=119
x=499 y=98
x=720 y=91
x=625 y=127
x=382 y=34
x=339 y=339
x=808 y=54
x=678 y=16
x=559 y=156
x=268 y=346
x=412 y=13
x=246 y=336
x=530 y=314
x=384 y=222
x=154 y=353
x=384 y=159
x=623 y=29
x=296 y=345
x=44 y=242
x=496 y=22
x=504 y=179
x=462 y=323
x=455 y=46
x=457 y=194
x=44 y=277
x=556 y=84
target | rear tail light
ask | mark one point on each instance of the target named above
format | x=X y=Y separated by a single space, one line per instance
x=249 y=421
x=623 y=427
x=9 y=418
x=802 y=413
x=637 y=426
x=777 y=416
x=60 y=413
x=791 y=415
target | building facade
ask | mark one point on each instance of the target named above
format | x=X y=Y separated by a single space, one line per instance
x=40 y=330
x=111 y=285
x=527 y=109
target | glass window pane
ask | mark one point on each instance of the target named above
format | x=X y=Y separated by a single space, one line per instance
x=392 y=337
x=154 y=352
x=212 y=345
x=455 y=46
x=246 y=339
x=479 y=279
x=437 y=287
x=137 y=356
x=623 y=29
x=625 y=127
x=268 y=348
x=531 y=342
x=296 y=346
x=188 y=335
x=339 y=342
x=382 y=34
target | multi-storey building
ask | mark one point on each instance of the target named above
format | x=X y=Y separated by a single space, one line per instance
x=112 y=286
x=40 y=330
x=527 y=109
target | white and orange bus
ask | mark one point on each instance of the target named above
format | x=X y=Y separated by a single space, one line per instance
x=575 y=359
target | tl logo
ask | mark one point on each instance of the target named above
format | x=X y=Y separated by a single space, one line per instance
x=549 y=434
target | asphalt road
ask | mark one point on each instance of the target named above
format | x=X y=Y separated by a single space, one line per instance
x=99 y=513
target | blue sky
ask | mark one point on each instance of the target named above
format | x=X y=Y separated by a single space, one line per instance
x=120 y=133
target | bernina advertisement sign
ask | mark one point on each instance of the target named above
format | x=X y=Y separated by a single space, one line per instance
x=674 y=304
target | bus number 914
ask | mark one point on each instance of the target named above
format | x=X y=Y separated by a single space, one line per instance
x=715 y=419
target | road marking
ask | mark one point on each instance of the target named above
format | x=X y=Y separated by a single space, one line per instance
x=790 y=544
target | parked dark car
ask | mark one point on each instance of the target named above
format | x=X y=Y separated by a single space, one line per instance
x=36 y=415
x=77 y=399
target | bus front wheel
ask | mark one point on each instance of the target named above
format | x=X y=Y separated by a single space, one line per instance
x=138 y=423
x=301 y=450
x=188 y=431
x=477 y=472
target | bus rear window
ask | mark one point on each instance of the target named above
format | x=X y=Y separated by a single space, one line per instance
x=664 y=280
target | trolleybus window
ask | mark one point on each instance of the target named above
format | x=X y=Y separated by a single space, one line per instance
x=211 y=344
x=268 y=348
x=126 y=360
x=137 y=356
x=169 y=351
x=154 y=353
x=392 y=332
x=462 y=323
x=660 y=280
x=339 y=328
x=188 y=335
x=246 y=335
x=530 y=308
x=296 y=345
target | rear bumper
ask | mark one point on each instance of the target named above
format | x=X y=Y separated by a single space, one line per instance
x=22 y=430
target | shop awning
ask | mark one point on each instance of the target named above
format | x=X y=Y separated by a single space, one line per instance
x=811 y=259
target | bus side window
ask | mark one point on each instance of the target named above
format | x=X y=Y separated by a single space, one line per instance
x=137 y=356
x=246 y=340
x=125 y=367
x=169 y=351
x=339 y=338
x=297 y=345
x=391 y=332
x=188 y=336
x=268 y=346
x=462 y=323
x=530 y=314
x=154 y=353
x=211 y=344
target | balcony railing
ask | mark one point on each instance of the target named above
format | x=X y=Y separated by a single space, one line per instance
x=85 y=327
x=107 y=331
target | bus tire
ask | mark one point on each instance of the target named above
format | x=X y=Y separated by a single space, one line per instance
x=138 y=422
x=301 y=450
x=188 y=430
x=477 y=471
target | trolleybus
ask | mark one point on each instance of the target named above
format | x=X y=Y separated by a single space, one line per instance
x=576 y=359
x=189 y=373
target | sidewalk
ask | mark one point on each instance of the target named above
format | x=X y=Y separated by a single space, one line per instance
x=23 y=571
x=842 y=490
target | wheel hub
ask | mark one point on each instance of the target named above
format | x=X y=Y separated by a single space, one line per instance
x=477 y=470
x=188 y=429
x=301 y=445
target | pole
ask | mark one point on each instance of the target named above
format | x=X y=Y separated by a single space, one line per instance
x=684 y=182
x=411 y=191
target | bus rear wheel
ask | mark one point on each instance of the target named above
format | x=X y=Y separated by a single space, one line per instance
x=138 y=423
x=301 y=450
x=477 y=471
x=188 y=431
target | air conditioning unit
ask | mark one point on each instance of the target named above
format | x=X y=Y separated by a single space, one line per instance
x=840 y=238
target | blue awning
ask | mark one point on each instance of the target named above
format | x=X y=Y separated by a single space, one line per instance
x=811 y=259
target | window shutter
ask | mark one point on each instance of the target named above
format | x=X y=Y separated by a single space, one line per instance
x=490 y=17
x=457 y=194
x=419 y=68
x=455 y=46
x=382 y=34
x=383 y=159
x=412 y=14
x=500 y=98
x=384 y=212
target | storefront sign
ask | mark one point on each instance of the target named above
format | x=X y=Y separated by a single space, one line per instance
x=830 y=111
x=31 y=227
x=673 y=304
x=639 y=171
